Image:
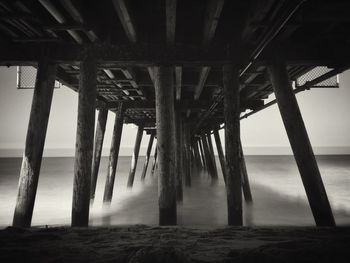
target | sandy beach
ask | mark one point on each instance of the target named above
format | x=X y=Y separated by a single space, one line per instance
x=175 y=244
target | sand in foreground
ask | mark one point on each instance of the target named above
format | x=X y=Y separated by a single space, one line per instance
x=175 y=244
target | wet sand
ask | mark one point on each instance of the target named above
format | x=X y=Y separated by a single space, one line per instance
x=175 y=244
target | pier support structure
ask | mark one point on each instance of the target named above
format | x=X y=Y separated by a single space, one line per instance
x=84 y=141
x=114 y=154
x=220 y=153
x=179 y=156
x=245 y=180
x=232 y=137
x=99 y=136
x=148 y=154
x=300 y=143
x=135 y=156
x=212 y=155
x=35 y=140
x=164 y=94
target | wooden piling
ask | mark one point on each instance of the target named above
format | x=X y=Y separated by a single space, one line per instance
x=202 y=153
x=35 y=140
x=245 y=180
x=99 y=136
x=165 y=115
x=114 y=154
x=179 y=156
x=84 y=141
x=154 y=161
x=212 y=155
x=220 y=153
x=135 y=156
x=232 y=135
x=187 y=162
x=300 y=143
x=148 y=153
x=207 y=156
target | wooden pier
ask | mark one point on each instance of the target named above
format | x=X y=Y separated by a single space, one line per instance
x=181 y=70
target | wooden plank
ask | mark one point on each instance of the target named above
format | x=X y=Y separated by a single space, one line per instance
x=170 y=9
x=30 y=170
x=126 y=19
x=300 y=143
x=84 y=142
x=202 y=78
x=212 y=16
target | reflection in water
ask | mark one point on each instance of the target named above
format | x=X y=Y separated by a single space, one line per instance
x=279 y=197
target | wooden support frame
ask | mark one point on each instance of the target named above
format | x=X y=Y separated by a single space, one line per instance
x=84 y=141
x=35 y=140
x=232 y=136
x=114 y=154
x=135 y=156
x=300 y=143
x=164 y=91
x=99 y=136
x=205 y=167
x=148 y=153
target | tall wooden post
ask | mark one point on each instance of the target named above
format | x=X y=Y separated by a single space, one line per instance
x=232 y=135
x=202 y=153
x=164 y=92
x=187 y=155
x=212 y=155
x=196 y=154
x=84 y=141
x=154 y=160
x=208 y=159
x=220 y=153
x=36 y=133
x=148 y=153
x=245 y=180
x=135 y=156
x=99 y=136
x=300 y=143
x=114 y=154
x=179 y=156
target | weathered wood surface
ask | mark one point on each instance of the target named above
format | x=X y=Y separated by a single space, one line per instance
x=220 y=153
x=84 y=142
x=300 y=143
x=135 y=156
x=208 y=158
x=179 y=156
x=148 y=153
x=212 y=155
x=154 y=164
x=164 y=91
x=99 y=136
x=35 y=140
x=187 y=162
x=245 y=179
x=232 y=136
x=114 y=154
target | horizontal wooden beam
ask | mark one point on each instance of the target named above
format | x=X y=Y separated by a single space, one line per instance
x=177 y=55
